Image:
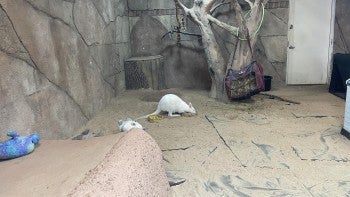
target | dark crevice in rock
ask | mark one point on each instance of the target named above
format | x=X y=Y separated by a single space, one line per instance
x=46 y=13
x=81 y=35
x=100 y=71
x=99 y=13
x=77 y=30
x=13 y=55
x=37 y=68
x=93 y=44
x=224 y=141
x=19 y=38
x=279 y=18
x=174 y=149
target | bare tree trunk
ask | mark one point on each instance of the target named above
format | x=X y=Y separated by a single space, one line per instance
x=200 y=13
x=215 y=61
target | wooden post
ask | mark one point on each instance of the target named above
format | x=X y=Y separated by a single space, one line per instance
x=145 y=72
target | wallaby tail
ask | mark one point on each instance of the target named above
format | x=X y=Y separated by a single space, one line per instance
x=154 y=113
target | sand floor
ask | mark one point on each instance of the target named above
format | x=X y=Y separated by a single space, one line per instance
x=260 y=147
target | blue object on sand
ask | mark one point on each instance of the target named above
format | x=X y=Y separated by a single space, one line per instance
x=18 y=146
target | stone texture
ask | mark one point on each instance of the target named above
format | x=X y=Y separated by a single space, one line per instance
x=56 y=8
x=275 y=48
x=105 y=9
x=91 y=25
x=29 y=102
x=273 y=25
x=186 y=67
x=62 y=56
x=9 y=42
x=78 y=80
x=168 y=21
x=161 y=4
x=107 y=57
x=121 y=7
x=133 y=167
x=144 y=40
x=122 y=29
x=124 y=53
x=137 y=4
x=281 y=13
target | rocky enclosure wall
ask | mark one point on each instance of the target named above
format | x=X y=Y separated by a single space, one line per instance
x=152 y=20
x=61 y=61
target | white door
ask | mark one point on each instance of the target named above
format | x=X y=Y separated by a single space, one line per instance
x=310 y=37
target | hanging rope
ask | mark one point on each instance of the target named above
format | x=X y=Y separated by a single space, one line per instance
x=259 y=24
x=178 y=35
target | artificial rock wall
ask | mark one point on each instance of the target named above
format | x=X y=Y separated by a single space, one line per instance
x=151 y=23
x=61 y=61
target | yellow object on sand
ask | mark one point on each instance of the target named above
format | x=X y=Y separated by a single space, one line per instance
x=155 y=118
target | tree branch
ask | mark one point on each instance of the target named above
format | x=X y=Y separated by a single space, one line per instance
x=208 y=5
x=188 y=11
x=258 y=2
x=233 y=30
x=216 y=6
x=182 y=6
x=239 y=16
x=250 y=3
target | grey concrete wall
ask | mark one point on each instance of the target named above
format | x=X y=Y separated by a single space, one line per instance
x=60 y=62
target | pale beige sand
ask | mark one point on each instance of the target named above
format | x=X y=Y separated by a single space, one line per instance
x=261 y=147
x=273 y=148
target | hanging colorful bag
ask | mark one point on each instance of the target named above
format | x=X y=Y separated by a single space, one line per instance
x=244 y=83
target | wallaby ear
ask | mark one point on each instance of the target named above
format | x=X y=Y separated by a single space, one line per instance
x=120 y=122
x=190 y=104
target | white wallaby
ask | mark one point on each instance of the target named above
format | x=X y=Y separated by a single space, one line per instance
x=172 y=104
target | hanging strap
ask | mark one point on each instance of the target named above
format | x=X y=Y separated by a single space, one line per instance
x=250 y=44
x=234 y=53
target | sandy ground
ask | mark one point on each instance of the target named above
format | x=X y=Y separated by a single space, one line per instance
x=260 y=147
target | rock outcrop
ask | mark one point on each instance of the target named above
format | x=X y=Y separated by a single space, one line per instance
x=59 y=63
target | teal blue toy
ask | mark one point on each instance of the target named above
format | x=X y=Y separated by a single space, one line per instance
x=18 y=146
